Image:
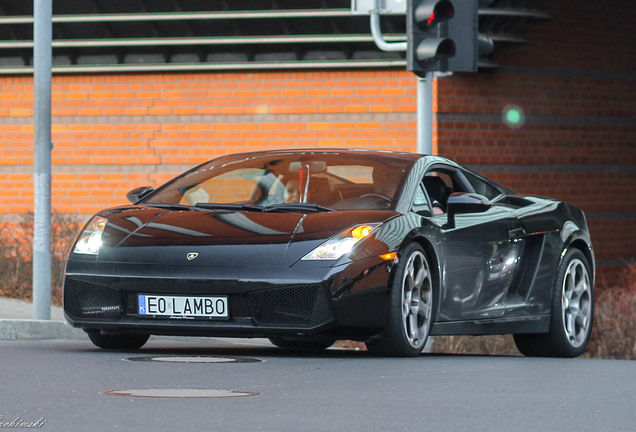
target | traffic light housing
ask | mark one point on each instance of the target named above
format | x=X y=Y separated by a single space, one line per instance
x=428 y=46
x=462 y=30
x=441 y=36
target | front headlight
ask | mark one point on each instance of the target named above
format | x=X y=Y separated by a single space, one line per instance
x=341 y=244
x=90 y=240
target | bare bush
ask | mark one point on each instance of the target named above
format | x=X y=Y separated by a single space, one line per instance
x=614 y=332
x=16 y=262
x=16 y=255
x=479 y=345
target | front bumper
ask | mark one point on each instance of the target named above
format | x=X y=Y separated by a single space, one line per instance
x=308 y=299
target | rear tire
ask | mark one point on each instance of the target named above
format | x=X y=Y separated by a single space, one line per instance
x=120 y=341
x=571 y=315
x=411 y=307
x=302 y=344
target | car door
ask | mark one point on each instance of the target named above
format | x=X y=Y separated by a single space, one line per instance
x=479 y=253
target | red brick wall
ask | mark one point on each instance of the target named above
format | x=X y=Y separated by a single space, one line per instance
x=115 y=132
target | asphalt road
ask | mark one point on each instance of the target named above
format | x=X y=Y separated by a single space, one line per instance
x=63 y=383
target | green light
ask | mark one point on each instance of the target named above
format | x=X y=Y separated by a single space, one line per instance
x=513 y=116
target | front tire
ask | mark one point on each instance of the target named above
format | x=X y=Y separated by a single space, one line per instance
x=119 y=341
x=411 y=307
x=571 y=316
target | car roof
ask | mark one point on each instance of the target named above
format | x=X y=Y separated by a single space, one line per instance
x=331 y=151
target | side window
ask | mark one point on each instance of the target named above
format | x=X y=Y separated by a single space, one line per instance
x=420 y=204
x=439 y=186
x=481 y=186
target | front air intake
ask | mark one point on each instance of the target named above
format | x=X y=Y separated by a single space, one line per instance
x=298 y=306
x=91 y=301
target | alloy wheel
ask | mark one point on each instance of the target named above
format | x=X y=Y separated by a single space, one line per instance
x=417 y=299
x=576 y=303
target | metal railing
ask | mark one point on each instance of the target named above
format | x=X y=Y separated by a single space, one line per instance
x=231 y=42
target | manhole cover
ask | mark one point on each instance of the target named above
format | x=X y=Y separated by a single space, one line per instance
x=195 y=359
x=179 y=393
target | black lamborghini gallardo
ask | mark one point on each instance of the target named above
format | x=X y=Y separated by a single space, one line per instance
x=305 y=247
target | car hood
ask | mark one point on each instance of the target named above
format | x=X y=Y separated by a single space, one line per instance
x=148 y=235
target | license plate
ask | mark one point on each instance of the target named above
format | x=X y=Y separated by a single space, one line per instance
x=183 y=306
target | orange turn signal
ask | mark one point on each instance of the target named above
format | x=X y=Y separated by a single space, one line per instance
x=100 y=224
x=361 y=231
x=388 y=256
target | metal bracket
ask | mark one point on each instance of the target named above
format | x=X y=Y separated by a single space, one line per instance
x=376 y=31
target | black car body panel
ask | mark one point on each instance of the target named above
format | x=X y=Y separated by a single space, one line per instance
x=494 y=268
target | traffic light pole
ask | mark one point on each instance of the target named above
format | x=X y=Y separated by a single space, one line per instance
x=425 y=114
x=42 y=56
x=424 y=86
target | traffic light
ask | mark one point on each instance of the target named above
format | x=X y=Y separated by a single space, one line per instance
x=428 y=46
x=441 y=36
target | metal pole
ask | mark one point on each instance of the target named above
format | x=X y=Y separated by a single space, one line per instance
x=425 y=135
x=377 y=32
x=428 y=113
x=42 y=53
x=425 y=114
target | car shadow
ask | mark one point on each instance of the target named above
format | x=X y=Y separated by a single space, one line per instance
x=264 y=353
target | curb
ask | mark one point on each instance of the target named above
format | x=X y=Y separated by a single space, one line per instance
x=24 y=329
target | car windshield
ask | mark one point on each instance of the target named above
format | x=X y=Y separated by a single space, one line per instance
x=300 y=181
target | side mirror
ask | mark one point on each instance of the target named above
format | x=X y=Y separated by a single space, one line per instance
x=138 y=193
x=465 y=203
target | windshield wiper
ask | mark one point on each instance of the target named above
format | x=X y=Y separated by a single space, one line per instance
x=295 y=207
x=219 y=206
x=169 y=206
